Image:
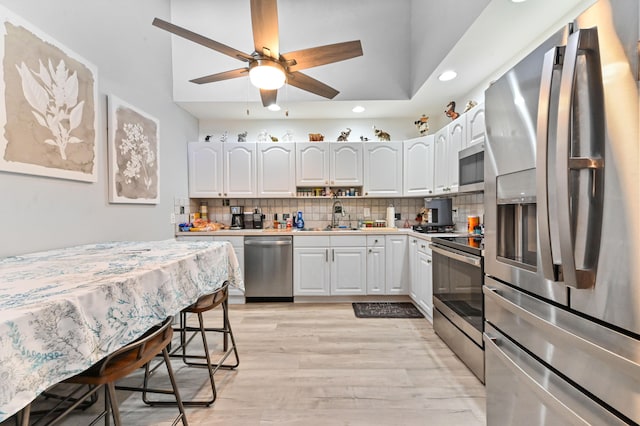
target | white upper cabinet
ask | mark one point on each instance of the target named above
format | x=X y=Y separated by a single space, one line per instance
x=312 y=164
x=239 y=170
x=205 y=169
x=345 y=166
x=475 y=125
x=441 y=160
x=457 y=141
x=383 y=169
x=328 y=163
x=418 y=174
x=276 y=170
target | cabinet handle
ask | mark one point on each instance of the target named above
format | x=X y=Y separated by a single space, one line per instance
x=370 y=251
x=333 y=255
x=423 y=246
x=225 y=194
x=375 y=241
x=430 y=191
x=326 y=255
x=428 y=260
x=219 y=194
x=366 y=193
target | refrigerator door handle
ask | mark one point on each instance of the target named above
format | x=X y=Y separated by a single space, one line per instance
x=552 y=59
x=580 y=178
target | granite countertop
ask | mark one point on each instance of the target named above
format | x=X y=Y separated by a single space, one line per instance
x=366 y=231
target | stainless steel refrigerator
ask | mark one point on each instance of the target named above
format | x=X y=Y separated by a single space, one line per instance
x=562 y=227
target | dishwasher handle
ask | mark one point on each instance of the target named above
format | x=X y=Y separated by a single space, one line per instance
x=267 y=243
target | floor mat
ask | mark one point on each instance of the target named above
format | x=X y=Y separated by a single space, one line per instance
x=386 y=310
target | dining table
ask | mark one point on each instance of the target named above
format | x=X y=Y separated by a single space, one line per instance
x=63 y=310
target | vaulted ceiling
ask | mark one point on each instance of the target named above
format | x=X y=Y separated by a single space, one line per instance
x=406 y=44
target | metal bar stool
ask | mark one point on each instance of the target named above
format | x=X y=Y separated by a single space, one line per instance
x=204 y=304
x=120 y=364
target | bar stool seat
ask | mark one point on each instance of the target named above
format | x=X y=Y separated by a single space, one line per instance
x=208 y=302
x=120 y=364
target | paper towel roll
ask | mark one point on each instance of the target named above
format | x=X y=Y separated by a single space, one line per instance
x=391 y=217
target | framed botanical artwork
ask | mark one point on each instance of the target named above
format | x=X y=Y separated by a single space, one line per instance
x=134 y=173
x=48 y=105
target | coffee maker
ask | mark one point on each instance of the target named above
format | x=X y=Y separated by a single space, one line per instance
x=438 y=212
x=237 y=217
x=258 y=219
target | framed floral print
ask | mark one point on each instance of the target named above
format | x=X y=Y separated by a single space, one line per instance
x=133 y=141
x=48 y=105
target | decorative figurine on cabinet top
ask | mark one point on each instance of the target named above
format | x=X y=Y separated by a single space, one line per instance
x=382 y=135
x=316 y=137
x=469 y=105
x=273 y=138
x=288 y=136
x=451 y=111
x=364 y=139
x=224 y=136
x=242 y=137
x=262 y=136
x=422 y=124
x=344 y=135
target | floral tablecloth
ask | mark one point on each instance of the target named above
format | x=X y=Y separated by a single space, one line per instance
x=63 y=310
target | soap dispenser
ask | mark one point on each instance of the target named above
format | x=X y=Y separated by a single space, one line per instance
x=300 y=221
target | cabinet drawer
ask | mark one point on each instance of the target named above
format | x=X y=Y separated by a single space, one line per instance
x=311 y=241
x=349 y=241
x=375 y=241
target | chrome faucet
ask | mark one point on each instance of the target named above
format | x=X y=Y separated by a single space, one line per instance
x=336 y=208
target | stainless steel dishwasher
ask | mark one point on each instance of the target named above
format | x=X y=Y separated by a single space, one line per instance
x=268 y=269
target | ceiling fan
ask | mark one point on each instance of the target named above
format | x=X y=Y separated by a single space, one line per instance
x=267 y=68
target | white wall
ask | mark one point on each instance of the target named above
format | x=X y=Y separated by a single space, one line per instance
x=134 y=63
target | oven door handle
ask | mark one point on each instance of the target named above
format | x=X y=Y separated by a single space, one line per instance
x=472 y=260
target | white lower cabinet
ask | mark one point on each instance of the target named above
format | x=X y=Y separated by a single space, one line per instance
x=329 y=265
x=421 y=288
x=397 y=265
x=235 y=295
x=376 y=263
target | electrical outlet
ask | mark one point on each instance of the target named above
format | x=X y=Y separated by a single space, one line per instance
x=172 y=218
x=367 y=212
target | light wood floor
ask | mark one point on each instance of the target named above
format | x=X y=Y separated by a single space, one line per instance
x=317 y=364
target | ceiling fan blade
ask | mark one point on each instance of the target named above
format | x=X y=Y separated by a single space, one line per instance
x=202 y=40
x=240 y=72
x=322 y=55
x=268 y=97
x=264 y=21
x=304 y=82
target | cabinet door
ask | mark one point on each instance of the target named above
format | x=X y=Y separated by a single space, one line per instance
x=418 y=176
x=457 y=141
x=205 y=169
x=397 y=268
x=312 y=164
x=276 y=170
x=346 y=164
x=413 y=270
x=382 y=169
x=425 y=287
x=311 y=271
x=348 y=271
x=441 y=161
x=240 y=170
x=475 y=125
x=376 y=277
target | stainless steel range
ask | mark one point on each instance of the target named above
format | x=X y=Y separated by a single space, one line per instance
x=457 y=297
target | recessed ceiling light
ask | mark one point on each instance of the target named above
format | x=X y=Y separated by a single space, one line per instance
x=518 y=1
x=274 y=107
x=358 y=109
x=447 y=75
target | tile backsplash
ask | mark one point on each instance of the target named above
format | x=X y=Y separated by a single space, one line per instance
x=317 y=211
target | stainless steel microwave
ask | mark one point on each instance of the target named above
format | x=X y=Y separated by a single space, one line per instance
x=471 y=168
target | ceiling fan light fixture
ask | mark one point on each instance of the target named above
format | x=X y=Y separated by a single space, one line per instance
x=274 y=107
x=447 y=75
x=266 y=74
x=358 y=109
